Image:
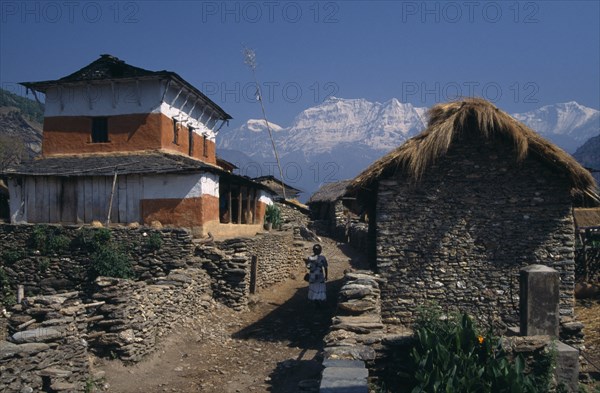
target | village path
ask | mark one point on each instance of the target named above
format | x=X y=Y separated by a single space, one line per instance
x=272 y=347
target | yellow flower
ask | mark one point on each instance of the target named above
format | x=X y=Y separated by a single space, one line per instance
x=480 y=339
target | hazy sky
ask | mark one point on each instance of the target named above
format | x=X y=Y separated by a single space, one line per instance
x=520 y=55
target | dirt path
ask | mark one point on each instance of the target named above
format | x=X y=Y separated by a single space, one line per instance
x=270 y=348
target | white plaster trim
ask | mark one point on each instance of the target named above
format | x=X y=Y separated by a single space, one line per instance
x=170 y=186
x=265 y=198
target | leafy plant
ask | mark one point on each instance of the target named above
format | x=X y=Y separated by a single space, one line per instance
x=273 y=215
x=451 y=355
x=153 y=242
x=11 y=256
x=48 y=240
x=43 y=265
x=111 y=261
x=91 y=238
x=7 y=297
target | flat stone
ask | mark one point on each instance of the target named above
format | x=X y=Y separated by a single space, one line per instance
x=36 y=335
x=357 y=306
x=60 y=386
x=343 y=363
x=567 y=366
x=354 y=352
x=53 y=372
x=32 y=348
x=8 y=349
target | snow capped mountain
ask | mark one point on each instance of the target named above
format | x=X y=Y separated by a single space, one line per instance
x=568 y=124
x=338 y=138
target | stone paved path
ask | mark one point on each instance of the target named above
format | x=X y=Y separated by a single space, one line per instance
x=270 y=348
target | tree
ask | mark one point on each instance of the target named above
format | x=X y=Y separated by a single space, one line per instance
x=12 y=150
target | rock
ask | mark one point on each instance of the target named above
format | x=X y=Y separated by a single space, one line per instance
x=127 y=336
x=357 y=306
x=36 y=335
x=8 y=349
x=55 y=373
x=60 y=386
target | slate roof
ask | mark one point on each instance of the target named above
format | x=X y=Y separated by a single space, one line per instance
x=330 y=192
x=109 y=67
x=274 y=184
x=107 y=165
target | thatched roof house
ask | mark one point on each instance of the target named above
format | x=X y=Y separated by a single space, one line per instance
x=448 y=121
x=587 y=218
x=456 y=211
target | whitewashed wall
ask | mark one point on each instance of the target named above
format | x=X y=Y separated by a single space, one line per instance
x=145 y=96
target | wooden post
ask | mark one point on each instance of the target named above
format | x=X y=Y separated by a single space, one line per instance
x=229 y=207
x=112 y=194
x=20 y=293
x=253 y=274
x=239 y=215
x=248 y=211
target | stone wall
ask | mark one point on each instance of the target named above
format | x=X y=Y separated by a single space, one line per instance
x=65 y=268
x=136 y=314
x=47 y=351
x=461 y=233
x=277 y=256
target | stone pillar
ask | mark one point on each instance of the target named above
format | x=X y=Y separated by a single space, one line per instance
x=539 y=295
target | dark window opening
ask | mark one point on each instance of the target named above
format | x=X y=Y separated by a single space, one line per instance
x=191 y=137
x=205 y=146
x=237 y=204
x=99 y=130
x=175 y=132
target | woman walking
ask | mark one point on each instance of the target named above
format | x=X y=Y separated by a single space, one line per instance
x=317 y=265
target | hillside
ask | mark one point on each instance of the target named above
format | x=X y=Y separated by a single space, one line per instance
x=588 y=155
x=30 y=109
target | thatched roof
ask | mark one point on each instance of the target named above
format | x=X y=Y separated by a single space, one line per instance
x=586 y=217
x=330 y=192
x=447 y=121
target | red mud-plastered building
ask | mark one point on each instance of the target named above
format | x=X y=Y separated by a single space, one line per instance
x=123 y=144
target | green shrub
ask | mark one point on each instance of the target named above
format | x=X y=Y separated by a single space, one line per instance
x=49 y=240
x=43 y=265
x=111 y=261
x=153 y=242
x=451 y=355
x=273 y=215
x=91 y=238
x=7 y=297
x=11 y=256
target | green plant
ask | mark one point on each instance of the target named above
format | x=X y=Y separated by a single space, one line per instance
x=7 y=297
x=451 y=355
x=273 y=215
x=153 y=242
x=48 y=240
x=111 y=261
x=11 y=256
x=91 y=238
x=43 y=264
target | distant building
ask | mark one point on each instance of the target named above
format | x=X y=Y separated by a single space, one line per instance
x=131 y=145
x=275 y=185
x=326 y=205
x=457 y=210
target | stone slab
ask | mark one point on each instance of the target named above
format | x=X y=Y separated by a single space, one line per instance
x=567 y=366
x=343 y=363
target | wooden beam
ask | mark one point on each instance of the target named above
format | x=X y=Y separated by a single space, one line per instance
x=239 y=215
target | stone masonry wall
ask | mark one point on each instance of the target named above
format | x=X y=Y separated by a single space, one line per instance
x=66 y=269
x=278 y=256
x=461 y=233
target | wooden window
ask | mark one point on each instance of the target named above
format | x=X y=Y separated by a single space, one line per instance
x=205 y=146
x=175 y=132
x=191 y=142
x=99 y=130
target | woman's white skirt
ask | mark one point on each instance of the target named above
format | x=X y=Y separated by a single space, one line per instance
x=317 y=291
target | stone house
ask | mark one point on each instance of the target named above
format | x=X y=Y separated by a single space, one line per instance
x=457 y=210
x=326 y=205
x=123 y=144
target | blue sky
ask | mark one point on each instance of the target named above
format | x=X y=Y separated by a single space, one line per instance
x=520 y=55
